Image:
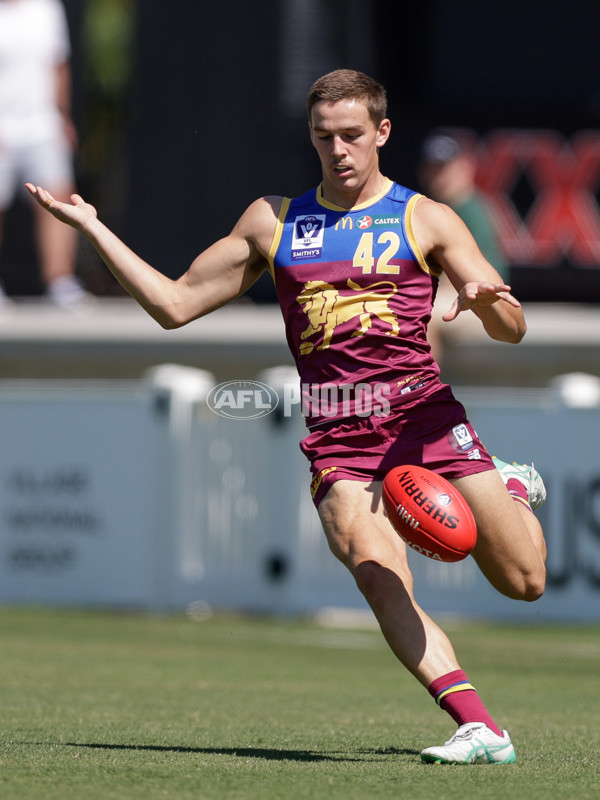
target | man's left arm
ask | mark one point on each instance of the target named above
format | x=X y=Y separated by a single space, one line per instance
x=447 y=243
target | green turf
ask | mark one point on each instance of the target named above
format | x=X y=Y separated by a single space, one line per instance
x=100 y=706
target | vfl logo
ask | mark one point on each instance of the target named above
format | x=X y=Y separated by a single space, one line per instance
x=307 y=236
x=307 y=229
x=462 y=437
x=326 y=308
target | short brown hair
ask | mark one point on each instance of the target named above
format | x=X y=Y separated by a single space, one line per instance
x=348 y=84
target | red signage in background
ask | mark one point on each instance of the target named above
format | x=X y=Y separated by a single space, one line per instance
x=562 y=222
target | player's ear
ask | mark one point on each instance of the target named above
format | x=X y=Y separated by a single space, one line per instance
x=383 y=132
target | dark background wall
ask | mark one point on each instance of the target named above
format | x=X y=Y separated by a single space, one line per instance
x=219 y=116
x=214 y=114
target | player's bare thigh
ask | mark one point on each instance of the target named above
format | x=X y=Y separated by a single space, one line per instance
x=357 y=528
x=508 y=537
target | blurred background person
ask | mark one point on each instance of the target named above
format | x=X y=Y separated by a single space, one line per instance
x=446 y=172
x=37 y=135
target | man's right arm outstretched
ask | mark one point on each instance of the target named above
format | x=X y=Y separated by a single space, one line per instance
x=218 y=275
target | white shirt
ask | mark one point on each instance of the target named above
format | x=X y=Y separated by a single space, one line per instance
x=34 y=39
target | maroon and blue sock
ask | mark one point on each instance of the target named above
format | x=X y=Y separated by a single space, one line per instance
x=518 y=492
x=455 y=695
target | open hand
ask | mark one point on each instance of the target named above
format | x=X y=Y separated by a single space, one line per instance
x=480 y=295
x=76 y=213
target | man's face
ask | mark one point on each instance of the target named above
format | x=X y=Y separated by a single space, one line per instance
x=347 y=142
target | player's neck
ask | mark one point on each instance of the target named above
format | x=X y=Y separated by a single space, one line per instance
x=347 y=196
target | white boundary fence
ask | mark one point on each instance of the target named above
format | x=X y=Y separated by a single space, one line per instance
x=135 y=494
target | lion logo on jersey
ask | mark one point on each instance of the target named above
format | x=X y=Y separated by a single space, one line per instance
x=326 y=308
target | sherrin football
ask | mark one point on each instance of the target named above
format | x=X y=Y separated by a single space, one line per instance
x=429 y=513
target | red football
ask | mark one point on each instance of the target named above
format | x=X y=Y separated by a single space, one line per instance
x=429 y=513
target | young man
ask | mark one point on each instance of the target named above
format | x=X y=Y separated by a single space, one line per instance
x=356 y=263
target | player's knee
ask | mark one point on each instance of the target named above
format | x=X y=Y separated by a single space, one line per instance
x=531 y=586
x=535 y=588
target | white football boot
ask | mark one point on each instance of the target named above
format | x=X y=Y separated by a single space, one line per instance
x=473 y=743
x=527 y=475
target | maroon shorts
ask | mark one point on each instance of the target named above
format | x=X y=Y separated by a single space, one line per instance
x=432 y=432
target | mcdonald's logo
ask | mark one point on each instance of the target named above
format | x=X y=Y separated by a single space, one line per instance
x=344 y=222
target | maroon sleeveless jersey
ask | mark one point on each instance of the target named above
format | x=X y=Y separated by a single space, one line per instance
x=356 y=296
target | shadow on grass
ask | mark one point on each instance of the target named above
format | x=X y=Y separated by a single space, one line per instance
x=270 y=754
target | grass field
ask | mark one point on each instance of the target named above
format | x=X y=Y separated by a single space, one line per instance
x=100 y=706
